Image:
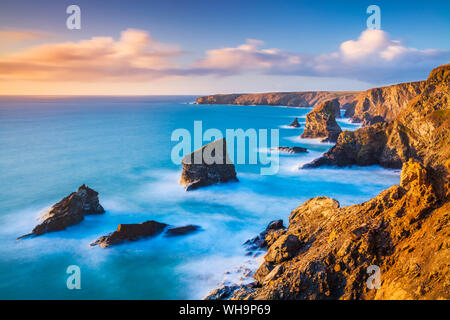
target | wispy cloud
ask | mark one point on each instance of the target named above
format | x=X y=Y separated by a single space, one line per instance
x=137 y=57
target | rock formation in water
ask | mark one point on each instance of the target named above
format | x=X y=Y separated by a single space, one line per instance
x=421 y=130
x=295 y=123
x=292 y=99
x=208 y=165
x=292 y=150
x=266 y=237
x=321 y=122
x=181 y=231
x=329 y=252
x=383 y=104
x=69 y=211
x=130 y=232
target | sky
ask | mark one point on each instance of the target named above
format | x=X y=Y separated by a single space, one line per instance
x=206 y=47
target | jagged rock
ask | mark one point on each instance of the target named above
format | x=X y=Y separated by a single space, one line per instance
x=383 y=104
x=295 y=123
x=292 y=150
x=69 y=211
x=130 y=232
x=180 y=231
x=222 y=293
x=421 y=130
x=321 y=122
x=404 y=231
x=273 y=230
x=291 y=99
x=284 y=248
x=207 y=165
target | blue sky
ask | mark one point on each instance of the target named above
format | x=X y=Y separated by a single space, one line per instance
x=298 y=27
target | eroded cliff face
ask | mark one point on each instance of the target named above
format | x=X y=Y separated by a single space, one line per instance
x=383 y=104
x=292 y=99
x=326 y=251
x=421 y=130
x=321 y=122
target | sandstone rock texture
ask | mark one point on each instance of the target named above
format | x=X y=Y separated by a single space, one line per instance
x=321 y=122
x=383 y=104
x=292 y=99
x=326 y=251
x=207 y=165
x=421 y=130
x=130 y=232
x=69 y=211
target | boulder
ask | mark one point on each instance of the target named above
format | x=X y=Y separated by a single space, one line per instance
x=295 y=123
x=321 y=122
x=180 y=231
x=69 y=211
x=273 y=230
x=130 y=232
x=207 y=165
x=283 y=249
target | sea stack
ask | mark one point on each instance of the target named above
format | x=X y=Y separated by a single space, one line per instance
x=321 y=122
x=207 y=165
x=295 y=123
x=69 y=211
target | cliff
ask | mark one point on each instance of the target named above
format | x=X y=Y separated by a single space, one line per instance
x=330 y=252
x=420 y=131
x=321 y=121
x=383 y=104
x=291 y=99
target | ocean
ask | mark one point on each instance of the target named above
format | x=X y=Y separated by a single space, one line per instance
x=121 y=147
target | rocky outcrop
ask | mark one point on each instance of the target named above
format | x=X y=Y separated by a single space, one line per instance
x=69 y=211
x=383 y=104
x=328 y=251
x=308 y=99
x=130 y=232
x=292 y=150
x=421 y=130
x=295 y=123
x=181 y=231
x=208 y=165
x=273 y=230
x=321 y=122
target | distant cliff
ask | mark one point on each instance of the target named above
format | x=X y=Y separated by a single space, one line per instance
x=291 y=99
x=383 y=104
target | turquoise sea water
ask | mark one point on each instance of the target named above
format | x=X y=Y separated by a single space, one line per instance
x=121 y=148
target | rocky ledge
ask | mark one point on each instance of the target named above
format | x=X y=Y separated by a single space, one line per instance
x=321 y=122
x=292 y=150
x=327 y=250
x=137 y=231
x=69 y=211
x=207 y=165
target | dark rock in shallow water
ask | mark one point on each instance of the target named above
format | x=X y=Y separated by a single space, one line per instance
x=295 y=123
x=130 y=232
x=267 y=237
x=222 y=293
x=69 y=211
x=292 y=150
x=207 y=165
x=180 y=231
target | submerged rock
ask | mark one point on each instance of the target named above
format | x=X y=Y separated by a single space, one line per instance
x=208 y=165
x=180 y=231
x=130 y=232
x=69 y=211
x=321 y=122
x=295 y=123
x=292 y=150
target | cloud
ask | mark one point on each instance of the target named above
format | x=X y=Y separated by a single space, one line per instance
x=136 y=56
x=372 y=57
x=19 y=35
